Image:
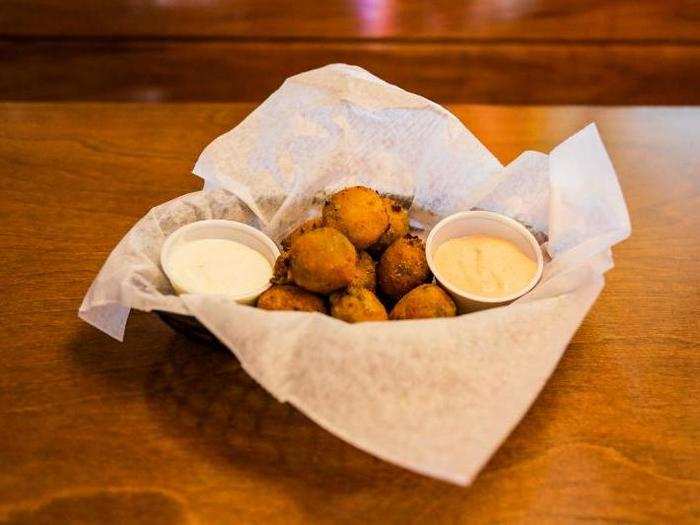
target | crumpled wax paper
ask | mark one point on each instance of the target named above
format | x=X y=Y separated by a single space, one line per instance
x=435 y=396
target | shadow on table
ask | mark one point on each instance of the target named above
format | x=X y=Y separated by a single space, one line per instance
x=207 y=398
x=202 y=396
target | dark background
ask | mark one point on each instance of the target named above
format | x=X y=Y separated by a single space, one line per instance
x=495 y=51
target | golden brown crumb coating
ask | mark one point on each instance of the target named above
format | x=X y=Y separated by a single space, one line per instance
x=280 y=271
x=322 y=260
x=305 y=227
x=365 y=274
x=358 y=213
x=398 y=225
x=423 y=302
x=356 y=305
x=403 y=266
x=288 y=297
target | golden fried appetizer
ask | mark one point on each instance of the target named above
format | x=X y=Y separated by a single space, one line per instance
x=365 y=274
x=356 y=305
x=398 y=225
x=424 y=302
x=322 y=260
x=403 y=266
x=288 y=297
x=304 y=227
x=358 y=213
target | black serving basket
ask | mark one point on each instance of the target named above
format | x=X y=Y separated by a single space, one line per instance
x=191 y=328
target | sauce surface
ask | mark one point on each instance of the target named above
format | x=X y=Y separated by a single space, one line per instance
x=219 y=266
x=484 y=265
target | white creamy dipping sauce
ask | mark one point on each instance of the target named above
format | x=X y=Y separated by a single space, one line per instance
x=218 y=266
x=484 y=265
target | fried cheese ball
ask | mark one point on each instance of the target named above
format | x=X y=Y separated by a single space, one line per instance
x=322 y=260
x=403 y=266
x=358 y=213
x=365 y=274
x=424 y=302
x=306 y=226
x=288 y=297
x=356 y=305
x=398 y=225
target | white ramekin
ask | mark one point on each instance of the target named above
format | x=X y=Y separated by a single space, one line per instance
x=484 y=223
x=219 y=229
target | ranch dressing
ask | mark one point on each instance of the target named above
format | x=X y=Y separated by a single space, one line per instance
x=218 y=266
x=484 y=265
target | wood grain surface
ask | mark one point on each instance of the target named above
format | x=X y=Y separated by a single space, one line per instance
x=445 y=72
x=161 y=430
x=630 y=52
x=616 y=20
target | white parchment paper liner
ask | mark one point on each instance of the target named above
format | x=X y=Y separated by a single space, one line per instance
x=434 y=396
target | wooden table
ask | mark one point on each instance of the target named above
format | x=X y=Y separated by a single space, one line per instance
x=479 y=51
x=160 y=430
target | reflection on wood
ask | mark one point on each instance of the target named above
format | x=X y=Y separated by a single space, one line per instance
x=505 y=51
x=407 y=19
